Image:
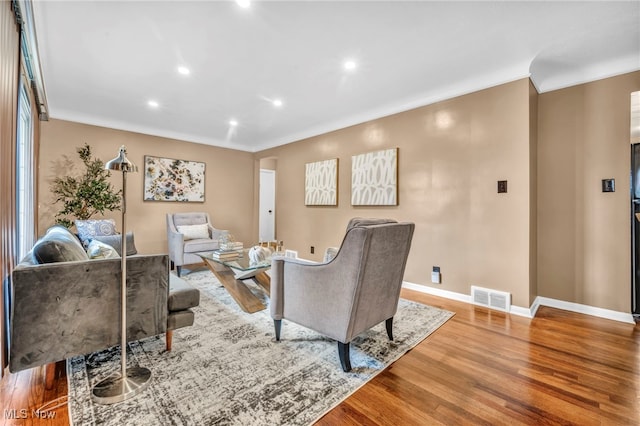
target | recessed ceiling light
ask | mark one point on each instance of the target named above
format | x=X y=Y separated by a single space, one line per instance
x=153 y=104
x=233 y=123
x=277 y=102
x=184 y=70
x=350 y=65
x=243 y=3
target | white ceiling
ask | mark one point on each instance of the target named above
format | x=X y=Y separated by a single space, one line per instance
x=103 y=60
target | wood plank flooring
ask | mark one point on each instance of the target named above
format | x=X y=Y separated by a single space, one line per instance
x=481 y=368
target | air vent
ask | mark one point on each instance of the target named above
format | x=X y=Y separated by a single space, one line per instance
x=493 y=299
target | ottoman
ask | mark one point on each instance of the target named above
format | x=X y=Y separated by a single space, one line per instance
x=182 y=297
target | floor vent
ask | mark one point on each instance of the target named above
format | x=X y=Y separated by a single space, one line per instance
x=493 y=299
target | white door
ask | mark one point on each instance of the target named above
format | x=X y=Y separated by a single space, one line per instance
x=267 y=207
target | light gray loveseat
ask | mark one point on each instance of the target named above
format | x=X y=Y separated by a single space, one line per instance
x=63 y=304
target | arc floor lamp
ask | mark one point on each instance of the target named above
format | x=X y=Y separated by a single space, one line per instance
x=130 y=381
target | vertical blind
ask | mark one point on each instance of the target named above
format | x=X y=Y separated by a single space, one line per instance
x=9 y=78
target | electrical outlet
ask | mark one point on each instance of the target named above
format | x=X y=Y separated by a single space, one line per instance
x=435 y=275
x=502 y=186
x=313 y=249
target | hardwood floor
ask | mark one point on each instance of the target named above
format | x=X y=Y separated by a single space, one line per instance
x=486 y=367
x=23 y=394
x=481 y=367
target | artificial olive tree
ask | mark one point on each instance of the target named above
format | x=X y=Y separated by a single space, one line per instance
x=86 y=194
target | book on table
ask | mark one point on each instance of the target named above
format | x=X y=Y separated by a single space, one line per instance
x=231 y=245
x=225 y=254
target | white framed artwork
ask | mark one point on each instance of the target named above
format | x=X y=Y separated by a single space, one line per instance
x=374 y=178
x=321 y=183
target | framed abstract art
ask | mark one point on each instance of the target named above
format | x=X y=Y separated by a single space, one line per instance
x=374 y=178
x=168 y=179
x=321 y=183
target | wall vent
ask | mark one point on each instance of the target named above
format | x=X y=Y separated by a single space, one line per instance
x=493 y=299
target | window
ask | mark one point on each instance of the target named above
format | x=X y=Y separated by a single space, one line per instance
x=25 y=188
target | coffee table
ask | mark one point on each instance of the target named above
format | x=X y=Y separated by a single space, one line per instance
x=231 y=273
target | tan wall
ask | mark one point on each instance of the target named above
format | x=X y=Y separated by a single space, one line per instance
x=228 y=188
x=554 y=234
x=269 y=163
x=451 y=155
x=583 y=233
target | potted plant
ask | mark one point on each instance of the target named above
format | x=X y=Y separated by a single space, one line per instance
x=87 y=194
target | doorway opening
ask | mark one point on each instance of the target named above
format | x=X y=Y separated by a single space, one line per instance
x=267 y=200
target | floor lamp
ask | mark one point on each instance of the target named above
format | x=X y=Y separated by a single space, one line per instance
x=129 y=382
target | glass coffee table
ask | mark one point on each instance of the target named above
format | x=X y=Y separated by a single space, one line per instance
x=231 y=274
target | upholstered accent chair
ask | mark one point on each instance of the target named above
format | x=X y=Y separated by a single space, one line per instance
x=189 y=234
x=354 y=291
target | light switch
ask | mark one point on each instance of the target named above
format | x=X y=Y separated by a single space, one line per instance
x=608 y=185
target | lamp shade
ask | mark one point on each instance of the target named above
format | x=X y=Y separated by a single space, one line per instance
x=121 y=163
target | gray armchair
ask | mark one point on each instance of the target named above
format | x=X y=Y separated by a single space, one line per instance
x=189 y=234
x=356 y=290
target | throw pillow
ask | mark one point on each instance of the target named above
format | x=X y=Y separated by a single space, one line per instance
x=87 y=229
x=115 y=241
x=99 y=250
x=194 y=232
x=58 y=245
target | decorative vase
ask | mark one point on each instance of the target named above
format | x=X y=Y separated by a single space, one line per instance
x=258 y=254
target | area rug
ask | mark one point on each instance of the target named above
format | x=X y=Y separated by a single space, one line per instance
x=227 y=369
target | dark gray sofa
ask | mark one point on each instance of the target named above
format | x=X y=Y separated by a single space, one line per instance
x=63 y=304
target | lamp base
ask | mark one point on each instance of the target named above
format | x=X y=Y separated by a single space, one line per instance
x=112 y=389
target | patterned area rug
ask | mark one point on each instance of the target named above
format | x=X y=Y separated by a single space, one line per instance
x=228 y=369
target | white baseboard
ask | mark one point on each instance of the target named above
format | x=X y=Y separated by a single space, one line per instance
x=586 y=309
x=437 y=292
x=531 y=311
x=522 y=312
x=516 y=310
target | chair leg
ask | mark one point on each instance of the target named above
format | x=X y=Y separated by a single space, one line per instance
x=389 y=324
x=172 y=265
x=343 y=352
x=178 y=270
x=169 y=338
x=277 y=324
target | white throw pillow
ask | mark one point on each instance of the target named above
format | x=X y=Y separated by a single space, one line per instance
x=99 y=250
x=194 y=232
